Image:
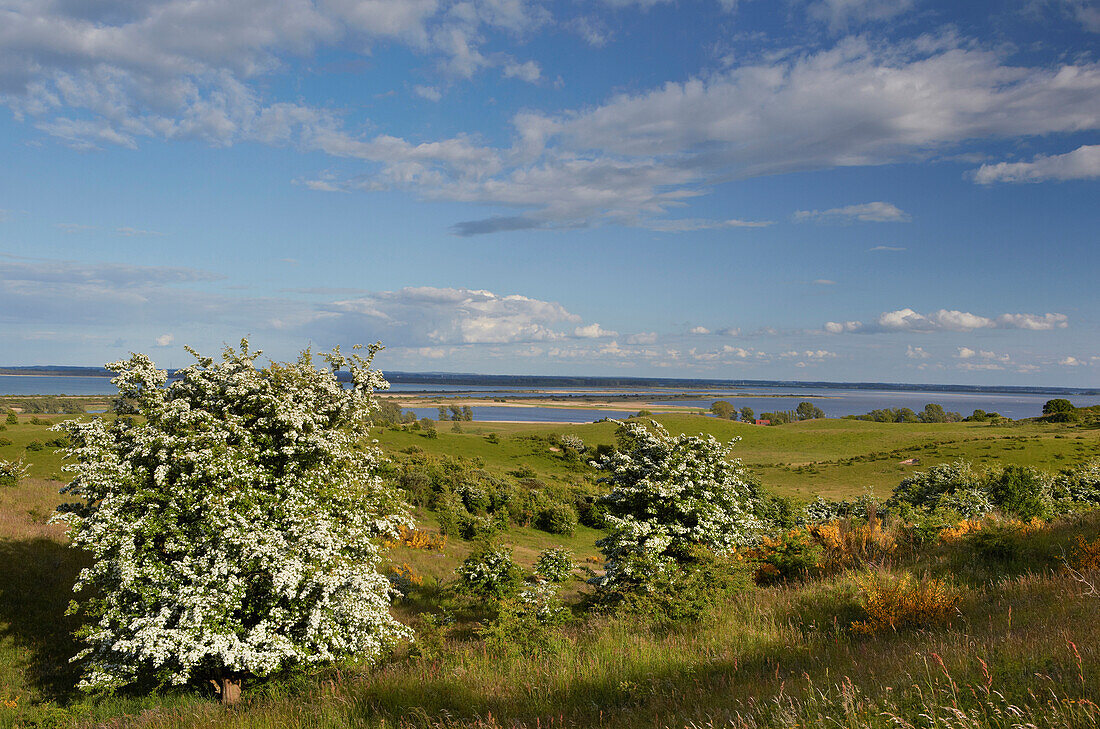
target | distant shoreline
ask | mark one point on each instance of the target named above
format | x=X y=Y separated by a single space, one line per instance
x=543 y=381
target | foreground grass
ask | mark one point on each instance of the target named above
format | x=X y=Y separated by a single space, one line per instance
x=1022 y=652
x=1024 y=648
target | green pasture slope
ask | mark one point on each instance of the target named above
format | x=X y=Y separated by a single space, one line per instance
x=775 y=644
x=831 y=458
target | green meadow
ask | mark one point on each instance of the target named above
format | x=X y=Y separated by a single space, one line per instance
x=1022 y=647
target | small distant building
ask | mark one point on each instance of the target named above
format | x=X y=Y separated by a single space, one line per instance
x=911 y=462
x=763 y=422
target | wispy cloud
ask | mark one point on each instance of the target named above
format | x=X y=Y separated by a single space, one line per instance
x=872 y=212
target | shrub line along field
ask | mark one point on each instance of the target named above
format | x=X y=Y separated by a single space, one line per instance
x=1021 y=646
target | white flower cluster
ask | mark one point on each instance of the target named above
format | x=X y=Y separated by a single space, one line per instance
x=233 y=527
x=668 y=495
x=11 y=473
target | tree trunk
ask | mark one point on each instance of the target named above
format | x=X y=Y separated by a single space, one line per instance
x=229 y=689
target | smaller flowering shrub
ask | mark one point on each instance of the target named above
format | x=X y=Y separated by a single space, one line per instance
x=573 y=442
x=1085 y=555
x=927 y=488
x=417 y=539
x=1079 y=485
x=895 y=602
x=671 y=494
x=540 y=599
x=555 y=564
x=960 y=530
x=490 y=574
x=790 y=555
x=10 y=473
x=404 y=578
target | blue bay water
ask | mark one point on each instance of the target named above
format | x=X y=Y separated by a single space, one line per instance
x=835 y=402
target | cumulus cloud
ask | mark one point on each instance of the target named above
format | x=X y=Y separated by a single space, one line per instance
x=872 y=212
x=950 y=320
x=114 y=72
x=593 y=331
x=642 y=338
x=967 y=353
x=912 y=352
x=117 y=73
x=451 y=315
x=700 y=330
x=164 y=340
x=1082 y=163
x=1070 y=362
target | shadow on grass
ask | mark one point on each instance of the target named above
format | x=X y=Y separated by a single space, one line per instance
x=36 y=579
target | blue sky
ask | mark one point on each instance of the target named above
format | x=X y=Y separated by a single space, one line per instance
x=888 y=190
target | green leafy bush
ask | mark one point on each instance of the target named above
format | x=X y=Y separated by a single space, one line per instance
x=557 y=519
x=1021 y=491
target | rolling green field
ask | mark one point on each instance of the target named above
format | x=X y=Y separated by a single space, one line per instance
x=831 y=458
x=769 y=654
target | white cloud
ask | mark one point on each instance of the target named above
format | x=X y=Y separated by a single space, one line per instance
x=842 y=14
x=1086 y=13
x=979 y=366
x=950 y=320
x=681 y=225
x=450 y=315
x=1070 y=362
x=74 y=227
x=872 y=212
x=137 y=232
x=967 y=353
x=824 y=282
x=528 y=71
x=642 y=338
x=164 y=340
x=837 y=327
x=912 y=352
x=1035 y=322
x=593 y=331
x=112 y=73
x=886 y=248
x=176 y=69
x=700 y=330
x=813 y=354
x=1082 y=163
x=430 y=93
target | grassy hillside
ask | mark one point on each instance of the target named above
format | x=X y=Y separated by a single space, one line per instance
x=1025 y=639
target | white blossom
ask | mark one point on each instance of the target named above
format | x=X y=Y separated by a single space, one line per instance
x=233 y=527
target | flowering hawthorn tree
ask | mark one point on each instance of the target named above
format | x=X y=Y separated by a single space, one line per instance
x=670 y=495
x=234 y=526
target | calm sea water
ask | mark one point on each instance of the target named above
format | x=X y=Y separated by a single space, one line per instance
x=835 y=403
